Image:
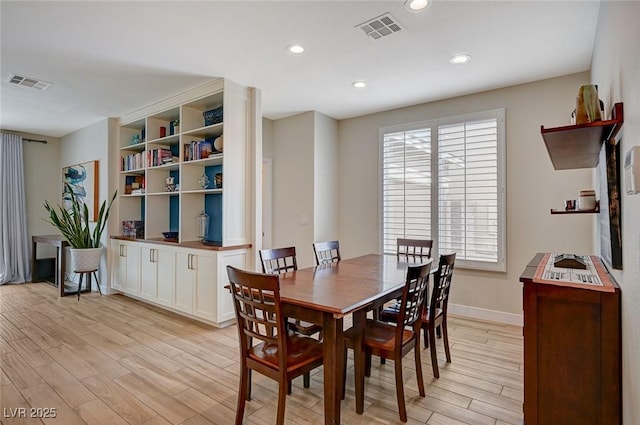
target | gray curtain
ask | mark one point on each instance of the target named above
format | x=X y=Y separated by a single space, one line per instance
x=15 y=251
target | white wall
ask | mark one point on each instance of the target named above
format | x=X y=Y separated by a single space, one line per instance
x=293 y=148
x=614 y=68
x=89 y=144
x=326 y=175
x=533 y=187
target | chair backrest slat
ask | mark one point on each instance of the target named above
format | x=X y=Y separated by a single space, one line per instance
x=442 y=285
x=413 y=297
x=327 y=252
x=414 y=249
x=278 y=260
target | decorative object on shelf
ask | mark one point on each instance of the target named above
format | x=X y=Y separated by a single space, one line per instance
x=202 y=226
x=204 y=181
x=170 y=186
x=213 y=116
x=570 y=204
x=218 y=180
x=135 y=139
x=588 y=105
x=587 y=200
x=73 y=223
x=170 y=236
x=133 y=229
x=163 y=132
x=80 y=184
x=174 y=127
x=218 y=143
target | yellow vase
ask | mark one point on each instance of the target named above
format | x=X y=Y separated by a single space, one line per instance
x=587 y=105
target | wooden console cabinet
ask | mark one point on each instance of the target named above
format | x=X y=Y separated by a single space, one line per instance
x=572 y=351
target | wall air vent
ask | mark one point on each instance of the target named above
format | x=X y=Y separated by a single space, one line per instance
x=380 y=26
x=29 y=82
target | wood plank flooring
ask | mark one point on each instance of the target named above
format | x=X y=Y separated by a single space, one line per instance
x=114 y=360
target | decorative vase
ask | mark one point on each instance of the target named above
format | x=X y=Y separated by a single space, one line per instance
x=587 y=105
x=85 y=259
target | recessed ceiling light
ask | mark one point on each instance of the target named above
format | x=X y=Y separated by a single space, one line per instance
x=461 y=58
x=417 y=5
x=359 y=84
x=296 y=49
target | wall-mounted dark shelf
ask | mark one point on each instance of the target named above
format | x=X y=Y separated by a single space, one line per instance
x=578 y=146
x=577 y=211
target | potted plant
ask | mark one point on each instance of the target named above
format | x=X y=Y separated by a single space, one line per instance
x=74 y=226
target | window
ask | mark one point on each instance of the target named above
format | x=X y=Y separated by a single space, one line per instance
x=444 y=180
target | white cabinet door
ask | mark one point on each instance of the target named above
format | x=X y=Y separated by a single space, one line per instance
x=148 y=272
x=132 y=282
x=166 y=262
x=206 y=285
x=157 y=273
x=126 y=266
x=118 y=265
x=237 y=259
x=185 y=276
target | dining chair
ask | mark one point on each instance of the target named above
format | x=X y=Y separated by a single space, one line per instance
x=394 y=341
x=280 y=356
x=278 y=260
x=327 y=252
x=408 y=250
x=415 y=250
x=282 y=260
x=435 y=314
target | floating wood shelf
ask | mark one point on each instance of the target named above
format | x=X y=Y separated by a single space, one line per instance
x=577 y=211
x=578 y=146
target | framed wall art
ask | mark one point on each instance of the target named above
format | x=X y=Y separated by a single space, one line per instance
x=83 y=180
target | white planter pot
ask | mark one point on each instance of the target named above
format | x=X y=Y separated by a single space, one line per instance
x=85 y=259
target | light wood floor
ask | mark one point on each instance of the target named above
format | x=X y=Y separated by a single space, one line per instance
x=113 y=360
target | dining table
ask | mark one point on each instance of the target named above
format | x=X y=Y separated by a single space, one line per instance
x=324 y=295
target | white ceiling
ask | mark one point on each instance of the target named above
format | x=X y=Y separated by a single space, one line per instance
x=106 y=59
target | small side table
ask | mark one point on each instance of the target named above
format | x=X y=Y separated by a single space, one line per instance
x=60 y=242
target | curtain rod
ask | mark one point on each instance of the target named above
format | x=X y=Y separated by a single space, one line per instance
x=35 y=141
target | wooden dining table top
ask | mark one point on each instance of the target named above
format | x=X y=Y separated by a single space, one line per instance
x=343 y=287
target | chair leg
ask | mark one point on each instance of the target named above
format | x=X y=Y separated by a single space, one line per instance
x=402 y=407
x=80 y=285
x=439 y=331
x=419 y=376
x=367 y=363
x=434 y=356
x=445 y=334
x=249 y=385
x=306 y=379
x=425 y=334
x=282 y=399
x=383 y=360
x=289 y=387
x=245 y=385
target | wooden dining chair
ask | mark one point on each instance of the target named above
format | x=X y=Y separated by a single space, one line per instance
x=327 y=252
x=415 y=250
x=394 y=341
x=282 y=260
x=435 y=314
x=278 y=260
x=280 y=356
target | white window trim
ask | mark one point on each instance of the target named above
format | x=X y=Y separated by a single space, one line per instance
x=501 y=264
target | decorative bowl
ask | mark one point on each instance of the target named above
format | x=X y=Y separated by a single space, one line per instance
x=170 y=236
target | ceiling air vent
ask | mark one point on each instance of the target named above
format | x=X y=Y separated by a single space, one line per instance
x=29 y=82
x=381 y=26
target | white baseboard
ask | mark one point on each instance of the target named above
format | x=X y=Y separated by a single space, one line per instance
x=484 y=314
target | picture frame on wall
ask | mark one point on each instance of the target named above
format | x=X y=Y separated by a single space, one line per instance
x=83 y=180
x=610 y=220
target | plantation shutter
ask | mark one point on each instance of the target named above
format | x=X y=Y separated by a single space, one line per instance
x=406 y=186
x=468 y=190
